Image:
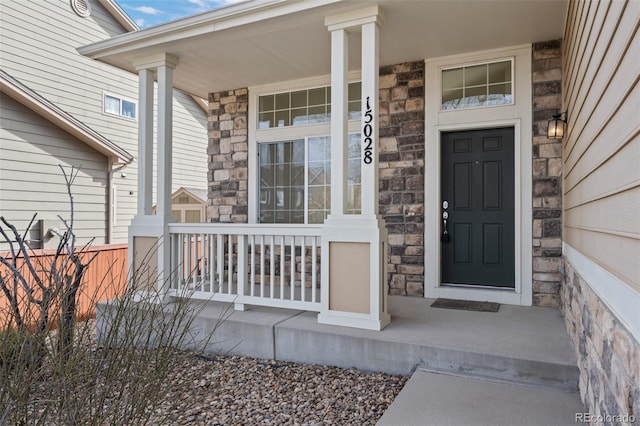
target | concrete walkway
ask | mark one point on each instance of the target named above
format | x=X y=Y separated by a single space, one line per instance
x=439 y=399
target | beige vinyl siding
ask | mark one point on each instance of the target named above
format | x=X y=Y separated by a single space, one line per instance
x=39 y=42
x=31 y=148
x=602 y=148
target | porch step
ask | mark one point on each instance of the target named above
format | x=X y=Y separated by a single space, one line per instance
x=506 y=370
x=301 y=339
x=521 y=345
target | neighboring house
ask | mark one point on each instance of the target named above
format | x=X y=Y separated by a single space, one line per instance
x=409 y=143
x=60 y=108
x=188 y=205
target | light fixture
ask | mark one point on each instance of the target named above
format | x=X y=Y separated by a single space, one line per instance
x=557 y=125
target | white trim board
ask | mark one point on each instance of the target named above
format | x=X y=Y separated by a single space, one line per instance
x=621 y=299
x=518 y=116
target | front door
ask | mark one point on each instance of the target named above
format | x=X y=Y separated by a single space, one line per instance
x=477 y=210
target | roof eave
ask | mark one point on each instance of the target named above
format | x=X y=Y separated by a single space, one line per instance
x=120 y=15
x=62 y=119
x=227 y=17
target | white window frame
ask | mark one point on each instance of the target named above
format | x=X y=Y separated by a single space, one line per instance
x=283 y=134
x=120 y=98
x=471 y=64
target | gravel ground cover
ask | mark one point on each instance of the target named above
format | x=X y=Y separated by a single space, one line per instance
x=231 y=390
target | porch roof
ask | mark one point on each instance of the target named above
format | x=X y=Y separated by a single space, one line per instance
x=264 y=41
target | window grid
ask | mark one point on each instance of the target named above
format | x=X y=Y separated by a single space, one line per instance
x=307 y=106
x=480 y=85
x=294 y=191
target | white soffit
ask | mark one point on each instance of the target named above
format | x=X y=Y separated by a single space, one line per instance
x=265 y=41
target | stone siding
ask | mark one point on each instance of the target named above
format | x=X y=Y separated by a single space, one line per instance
x=228 y=153
x=608 y=355
x=547 y=175
x=402 y=173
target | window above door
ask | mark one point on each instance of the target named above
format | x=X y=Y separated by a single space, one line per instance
x=478 y=85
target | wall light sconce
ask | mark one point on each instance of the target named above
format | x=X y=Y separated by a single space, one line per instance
x=557 y=125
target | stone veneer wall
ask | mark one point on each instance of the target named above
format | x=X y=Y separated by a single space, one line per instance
x=547 y=175
x=608 y=355
x=402 y=148
x=228 y=153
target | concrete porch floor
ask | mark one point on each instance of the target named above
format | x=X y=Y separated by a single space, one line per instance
x=524 y=345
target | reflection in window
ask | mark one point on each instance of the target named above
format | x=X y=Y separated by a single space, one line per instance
x=297 y=189
x=477 y=86
x=119 y=106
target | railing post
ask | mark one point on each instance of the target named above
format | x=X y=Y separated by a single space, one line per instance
x=242 y=270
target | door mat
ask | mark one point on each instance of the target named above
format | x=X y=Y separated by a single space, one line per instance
x=466 y=305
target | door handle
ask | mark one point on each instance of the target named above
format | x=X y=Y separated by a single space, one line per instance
x=445 y=233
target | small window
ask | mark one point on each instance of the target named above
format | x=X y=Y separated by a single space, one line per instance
x=476 y=86
x=118 y=105
x=310 y=106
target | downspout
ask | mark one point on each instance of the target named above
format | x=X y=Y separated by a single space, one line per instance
x=110 y=200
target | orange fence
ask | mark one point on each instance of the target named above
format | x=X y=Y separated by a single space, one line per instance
x=104 y=279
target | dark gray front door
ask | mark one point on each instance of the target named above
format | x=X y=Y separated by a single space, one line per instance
x=478 y=187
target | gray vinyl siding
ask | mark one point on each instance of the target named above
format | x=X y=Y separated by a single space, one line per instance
x=31 y=151
x=602 y=149
x=39 y=42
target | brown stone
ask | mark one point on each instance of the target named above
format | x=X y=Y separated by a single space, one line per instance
x=415 y=288
x=387 y=81
x=547 y=264
x=547 y=75
x=548 y=300
x=399 y=93
x=540 y=167
x=416 y=104
x=550 y=150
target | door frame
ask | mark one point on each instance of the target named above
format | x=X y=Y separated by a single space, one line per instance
x=518 y=116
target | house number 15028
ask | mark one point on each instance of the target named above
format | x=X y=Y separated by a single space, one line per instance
x=368 y=132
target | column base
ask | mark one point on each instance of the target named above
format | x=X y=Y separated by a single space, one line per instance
x=348 y=319
x=354 y=272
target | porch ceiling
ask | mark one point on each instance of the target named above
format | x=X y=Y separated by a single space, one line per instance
x=264 y=41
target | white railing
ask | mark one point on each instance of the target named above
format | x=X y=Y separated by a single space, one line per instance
x=265 y=265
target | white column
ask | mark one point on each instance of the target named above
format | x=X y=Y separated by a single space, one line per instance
x=370 y=120
x=339 y=123
x=149 y=239
x=145 y=141
x=354 y=293
x=165 y=139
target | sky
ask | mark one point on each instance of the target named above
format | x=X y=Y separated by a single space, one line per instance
x=147 y=13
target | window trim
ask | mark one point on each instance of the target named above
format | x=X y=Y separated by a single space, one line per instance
x=120 y=98
x=279 y=134
x=511 y=59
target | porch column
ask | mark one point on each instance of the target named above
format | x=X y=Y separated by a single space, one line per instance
x=339 y=122
x=149 y=234
x=164 y=175
x=354 y=246
x=145 y=141
x=369 y=149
